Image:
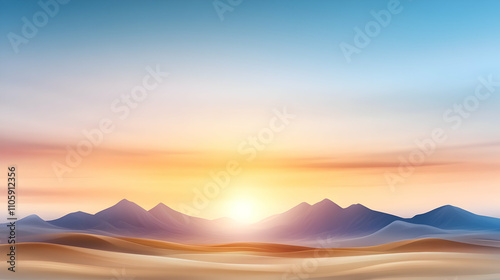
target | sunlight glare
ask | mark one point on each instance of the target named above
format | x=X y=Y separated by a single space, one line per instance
x=242 y=211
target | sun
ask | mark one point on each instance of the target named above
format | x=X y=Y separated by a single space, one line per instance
x=241 y=210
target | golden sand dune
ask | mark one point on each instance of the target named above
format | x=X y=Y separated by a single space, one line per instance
x=157 y=247
x=435 y=245
x=84 y=256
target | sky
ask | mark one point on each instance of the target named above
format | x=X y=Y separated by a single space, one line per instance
x=264 y=92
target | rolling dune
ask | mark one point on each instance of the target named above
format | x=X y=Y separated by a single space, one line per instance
x=84 y=256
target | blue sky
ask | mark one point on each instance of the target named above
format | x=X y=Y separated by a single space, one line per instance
x=431 y=49
x=227 y=76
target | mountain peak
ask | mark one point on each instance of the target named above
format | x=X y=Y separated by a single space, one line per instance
x=80 y=214
x=32 y=218
x=160 y=207
x=127 y=203
x=123 y=206
x=357 y=206
x=124 y=201
x=303 y=205
x=327 y=203
x=297 y=209
x=168 y=215
x=448 y=209
x=325 y=207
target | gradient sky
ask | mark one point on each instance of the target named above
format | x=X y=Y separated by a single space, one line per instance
x=352 y=120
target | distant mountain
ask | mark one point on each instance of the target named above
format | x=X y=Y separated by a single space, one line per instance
x=451 y=217
x=407 y=230
x=327 y=218
x=126 y=214
x=359 y=220
x=34 y=221
x=79 y=220
x=169 y=216
x=125 y=217
x=303 y=222
x=33 y=225
x=396 y=231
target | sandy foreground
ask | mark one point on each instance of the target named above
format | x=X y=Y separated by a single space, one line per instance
x=83 y=256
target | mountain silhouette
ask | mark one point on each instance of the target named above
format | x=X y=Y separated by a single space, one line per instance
x=302 y=222
x=79 y=220
x=451 y=217
x=169 y=216
x=327 y=218
x=34 y=221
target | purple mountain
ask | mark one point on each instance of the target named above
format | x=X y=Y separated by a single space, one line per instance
x=80 y=220
x=128 y=214
x=125 y=217
x=327 y=218
x=302 y=222
x=169 y=216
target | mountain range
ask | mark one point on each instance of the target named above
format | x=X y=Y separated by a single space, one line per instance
x=303 y=224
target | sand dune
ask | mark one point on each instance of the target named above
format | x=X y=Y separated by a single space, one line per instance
x=84 y=256
x=154 y=247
